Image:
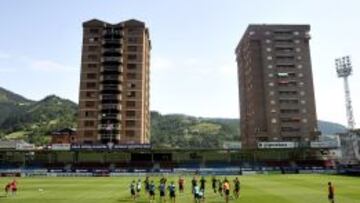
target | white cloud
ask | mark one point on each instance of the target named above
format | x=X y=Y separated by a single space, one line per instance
x=50 y=66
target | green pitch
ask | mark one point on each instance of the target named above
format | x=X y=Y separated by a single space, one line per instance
x=254 y=189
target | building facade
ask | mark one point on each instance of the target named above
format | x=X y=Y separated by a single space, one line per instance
x=277 y=102
x=114 y=83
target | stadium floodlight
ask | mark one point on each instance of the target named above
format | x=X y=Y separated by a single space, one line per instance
x=344 y=70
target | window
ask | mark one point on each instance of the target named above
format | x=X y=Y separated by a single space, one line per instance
x=301 y=75
x=131 y=113
x=88 y=133
x=297 y=41
x=132 y=48
x=271 y=75
x=92 y=65
x=262 y=139
x=269 y=58
x=251 y=32
x=285 y=83
x=131 y=57
x=132 y=40
x=272 y=102
x=285 y=49
x=268 y=49
x=90 y=94
x=303 y=102
x=131 y=66
x=89 y=104
x=287 y=93
x=288 y=101
x=92 y=48
x=290 y=129
x=91 y=85
x=131 y=75
x=270 y=66
x=297 y=49
x=134 y=31
x=267 y=33
x=304 y=120
x=272 y=93
x=89 y=123
x=296 y=33
x=131 y=85
x=94 y=31
x=290 y=119
x=268 y=41
x=131 y=94
x=130 y=133
x=273 y=120
x=285 y=57
x=130 y=103
x=300 y=66
x=91 y=76
x=285 y=66
x=93 y=39
x=92 y=57
x=299 y=58
x=130 y=123
x=283 y=41
x=289 y=111
x=271 y=84
x=89 y=113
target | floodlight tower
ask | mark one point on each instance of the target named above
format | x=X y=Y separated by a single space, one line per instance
x=344 y=70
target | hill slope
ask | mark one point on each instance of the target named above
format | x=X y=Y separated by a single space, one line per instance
x=34 y=120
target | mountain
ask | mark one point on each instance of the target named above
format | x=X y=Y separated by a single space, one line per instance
x=7 y=96
x=329 y=128
x=33 y=121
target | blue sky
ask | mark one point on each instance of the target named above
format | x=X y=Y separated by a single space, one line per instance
x=193 y=69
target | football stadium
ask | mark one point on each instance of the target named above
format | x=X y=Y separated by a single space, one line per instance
x=110 y=147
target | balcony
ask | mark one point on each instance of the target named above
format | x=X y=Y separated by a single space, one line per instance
x=110 y=116
x=110 y=107
x=115 y=101
x=107 y=127
x=111 y=59
x=112 y=68
x=110 y=97
x=289 y=111
x=110 y=87
x=108 y=41
x=110 y=77
x=112 y=50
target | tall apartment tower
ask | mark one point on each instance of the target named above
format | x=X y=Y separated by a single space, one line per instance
x=114 y=83
x=277 y=101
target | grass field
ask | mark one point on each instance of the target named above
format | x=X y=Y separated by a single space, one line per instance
x=254 y=189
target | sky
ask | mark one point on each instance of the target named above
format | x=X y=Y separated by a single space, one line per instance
x=193 y=69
